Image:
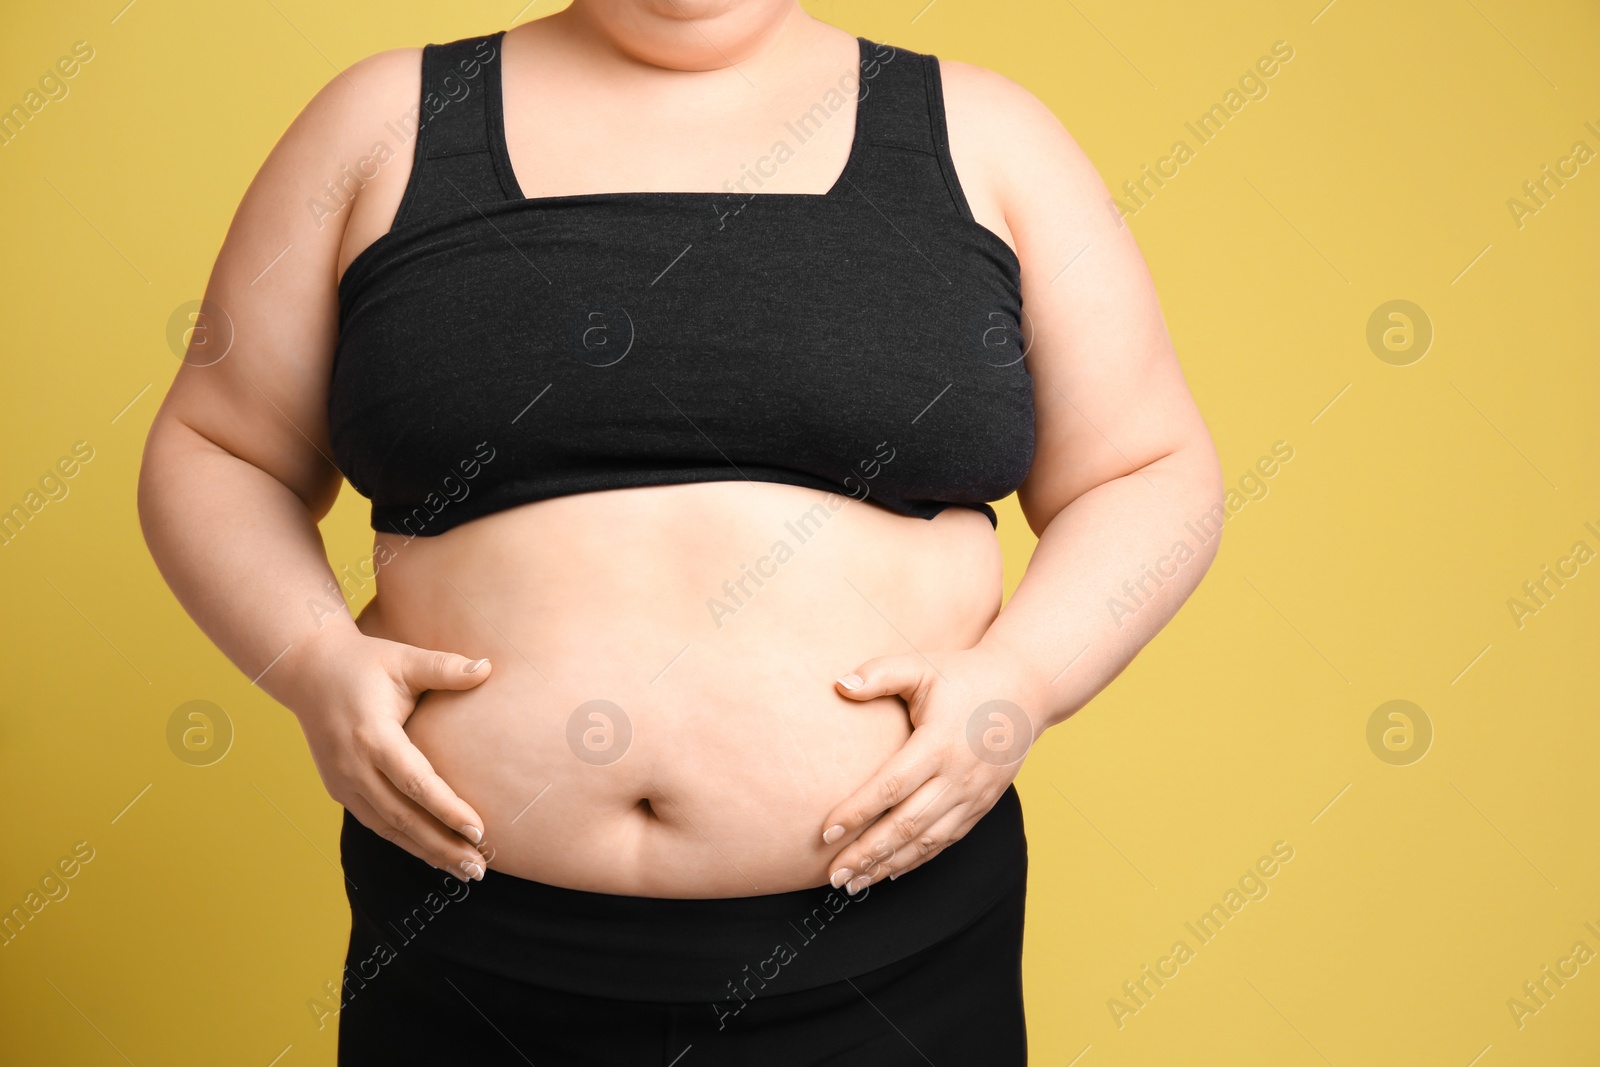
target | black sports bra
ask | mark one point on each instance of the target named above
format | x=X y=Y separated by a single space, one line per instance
x=496 y=349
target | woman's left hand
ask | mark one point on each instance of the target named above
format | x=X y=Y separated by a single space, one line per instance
x=974 y=713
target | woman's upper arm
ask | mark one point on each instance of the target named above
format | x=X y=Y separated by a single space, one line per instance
x=255 y=380
x=1109 y=394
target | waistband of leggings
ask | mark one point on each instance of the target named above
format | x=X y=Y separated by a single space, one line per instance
x=671 y=950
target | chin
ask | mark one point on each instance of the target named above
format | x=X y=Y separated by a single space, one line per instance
x=685 y=35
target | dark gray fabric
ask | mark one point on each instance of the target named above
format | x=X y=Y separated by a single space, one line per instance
x=662 y=949
x=958 y=1001
x=496 y=350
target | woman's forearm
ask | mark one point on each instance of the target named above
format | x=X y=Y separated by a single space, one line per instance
x=1109 y=571
x=242 y=553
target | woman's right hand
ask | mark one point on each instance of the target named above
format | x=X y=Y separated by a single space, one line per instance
x=355 y=694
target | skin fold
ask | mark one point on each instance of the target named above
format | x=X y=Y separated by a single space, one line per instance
x=612 y=734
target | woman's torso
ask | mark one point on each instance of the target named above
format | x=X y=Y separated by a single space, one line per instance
x=661 y=719
x=645 y=730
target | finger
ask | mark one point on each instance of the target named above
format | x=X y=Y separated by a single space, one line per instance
x=900 y=776
x=909 y=824
x=885 y=676
x=439 y=845
x=915 y=862
x=940 y=836
x=369 y=816
x=421 y=669
x=410 y=772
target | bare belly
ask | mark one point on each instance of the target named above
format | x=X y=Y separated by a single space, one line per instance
x=661 y=719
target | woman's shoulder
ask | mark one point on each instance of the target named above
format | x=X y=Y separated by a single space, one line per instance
x=987 y=104
x=348 y=113
x=381 y=79
x=1015 y=145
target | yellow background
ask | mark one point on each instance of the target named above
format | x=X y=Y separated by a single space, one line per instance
x=1377 y=567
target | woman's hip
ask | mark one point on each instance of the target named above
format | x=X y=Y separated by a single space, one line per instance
x=667 y=949
x=926 y=968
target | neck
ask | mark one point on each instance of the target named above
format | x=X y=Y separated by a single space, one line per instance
x=686 y=35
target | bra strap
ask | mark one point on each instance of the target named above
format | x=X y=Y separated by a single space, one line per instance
x=902 y=102
x=453 y=167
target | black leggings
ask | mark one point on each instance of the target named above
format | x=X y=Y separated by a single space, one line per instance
x=957 y=1003
x=923 y=970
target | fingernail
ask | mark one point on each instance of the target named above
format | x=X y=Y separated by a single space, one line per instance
x=852 y=681
x=858 y=885
x=840 y=877
x=832 y=834
x=473 y=870
x=472 y=668
x=472 y=832
x=893 y=876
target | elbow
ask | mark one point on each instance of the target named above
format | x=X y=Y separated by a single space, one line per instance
x=155 y=470
x=1206 y=475
x=1213 y=495
x=1204 y=492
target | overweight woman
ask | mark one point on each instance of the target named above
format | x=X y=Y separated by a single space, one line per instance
x=680 y=347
